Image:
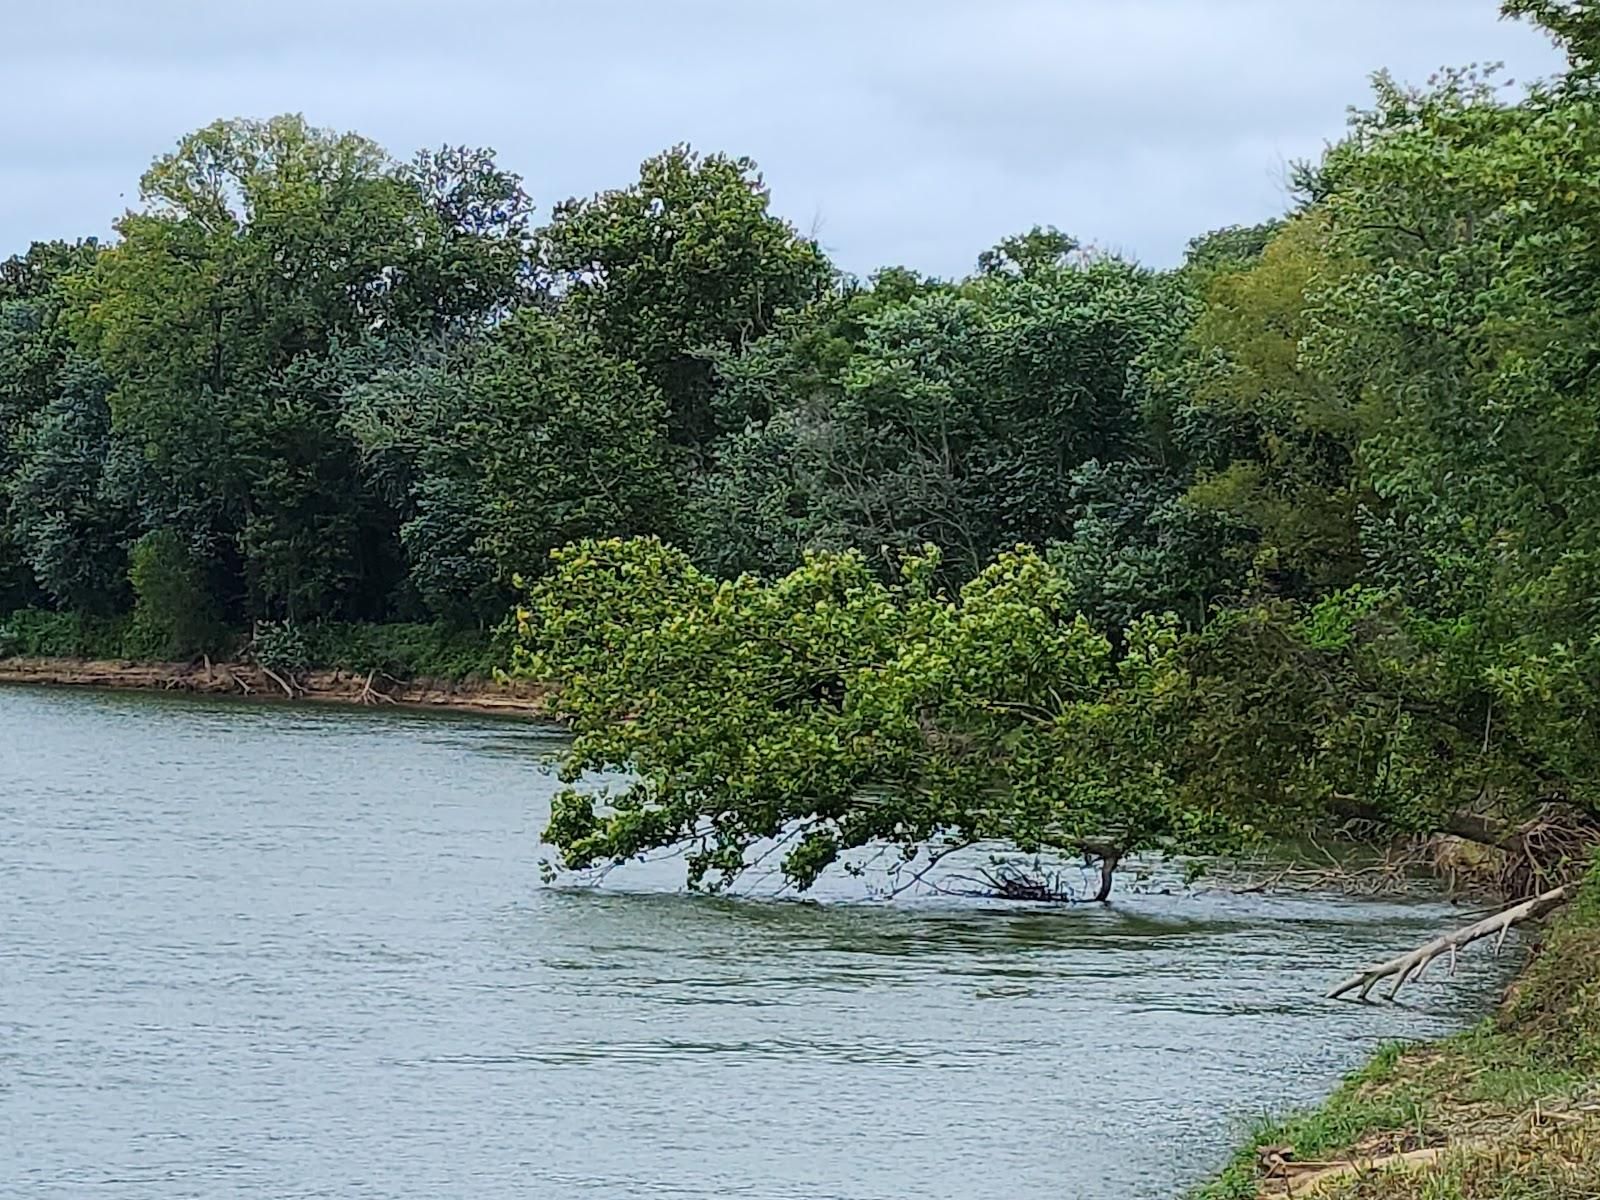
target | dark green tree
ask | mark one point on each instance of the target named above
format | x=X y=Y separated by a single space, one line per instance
x=533 y=438
x=961 y=417
x=38 y=417
x=687 y=261
x=72 y=518
x=269 y=267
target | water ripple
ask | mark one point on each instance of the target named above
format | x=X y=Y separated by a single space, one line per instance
x=273 y=952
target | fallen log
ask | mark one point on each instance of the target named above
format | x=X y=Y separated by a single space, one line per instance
x=1413 y=963
x=1305 y=1179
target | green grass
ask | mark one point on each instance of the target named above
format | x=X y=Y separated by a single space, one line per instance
x=1369 y=1100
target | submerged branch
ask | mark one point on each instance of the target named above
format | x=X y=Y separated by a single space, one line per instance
x=1413 y=963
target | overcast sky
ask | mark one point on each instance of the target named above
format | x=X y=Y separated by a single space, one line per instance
x=911 y=132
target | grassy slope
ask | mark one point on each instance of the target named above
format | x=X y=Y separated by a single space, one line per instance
x=1514 y=1105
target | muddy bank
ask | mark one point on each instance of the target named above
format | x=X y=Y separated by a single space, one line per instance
x=245 y=679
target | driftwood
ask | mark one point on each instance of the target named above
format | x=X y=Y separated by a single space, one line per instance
x=1413 y=963
x=1397 y=871
x=228 y=674
x=1290 y=1178
x=288 y=689
x=1007 y=882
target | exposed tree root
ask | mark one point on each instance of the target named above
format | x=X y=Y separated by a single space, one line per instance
x=1545 y=851
x=288 y=688
x=1413 y=963
x=371 y=695
x=228 y=674
x=1520 y=859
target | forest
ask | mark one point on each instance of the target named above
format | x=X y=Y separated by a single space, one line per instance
x=1069 y=554
x=1084 y=559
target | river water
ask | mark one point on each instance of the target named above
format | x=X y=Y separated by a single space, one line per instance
x=262 y=951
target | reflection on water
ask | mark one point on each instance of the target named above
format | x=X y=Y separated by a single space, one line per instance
x=293 y=952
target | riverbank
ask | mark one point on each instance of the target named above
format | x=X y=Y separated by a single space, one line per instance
x=1509 y=1110
x=334 y=686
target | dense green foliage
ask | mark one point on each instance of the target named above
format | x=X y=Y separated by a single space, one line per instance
x=682 y=263
x=1352 y=453
x=359 y=389
x=1304 y=528
x=836 y=709
x=173 y=615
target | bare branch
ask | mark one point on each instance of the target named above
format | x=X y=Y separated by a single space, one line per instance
x=1413 y=963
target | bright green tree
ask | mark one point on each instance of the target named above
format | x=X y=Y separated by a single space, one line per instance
x=830 y=710
x=1270 y=440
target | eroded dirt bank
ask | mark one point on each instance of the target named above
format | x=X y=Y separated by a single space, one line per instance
x=244 y=679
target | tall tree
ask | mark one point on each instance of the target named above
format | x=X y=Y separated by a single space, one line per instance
x=52 y=409
x=961 y=416
x=687 y=260
x=270 y=265
x=533 y=438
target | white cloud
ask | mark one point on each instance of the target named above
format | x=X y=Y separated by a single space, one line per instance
x=907 y=131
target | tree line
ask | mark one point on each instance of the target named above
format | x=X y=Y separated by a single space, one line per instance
x=1099 y=560
x=334 y=386
x=306 y=382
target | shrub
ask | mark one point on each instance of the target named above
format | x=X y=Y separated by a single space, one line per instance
x=38 y=633
x=406 y=651
x=174 y=615
x=282 y=647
